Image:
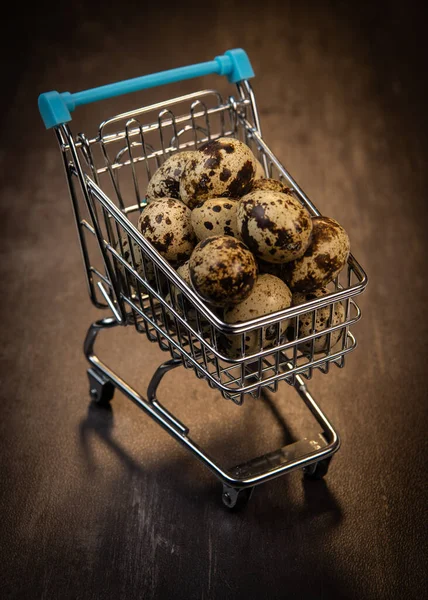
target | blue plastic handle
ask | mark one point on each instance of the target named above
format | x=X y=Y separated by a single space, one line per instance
x=55 y=108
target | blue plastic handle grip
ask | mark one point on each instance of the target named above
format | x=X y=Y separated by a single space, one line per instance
x=55 y=107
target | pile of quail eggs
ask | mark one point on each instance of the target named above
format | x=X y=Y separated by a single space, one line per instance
x=245 y=244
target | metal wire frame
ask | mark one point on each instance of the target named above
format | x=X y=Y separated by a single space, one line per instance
x=145 y=294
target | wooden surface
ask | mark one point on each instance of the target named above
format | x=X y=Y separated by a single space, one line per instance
x=102 y=503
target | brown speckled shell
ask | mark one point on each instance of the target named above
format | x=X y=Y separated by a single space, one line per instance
x=224 y=167
x=182 y=305
x=216 y=216
x=165 y=181
x=268 y=295
x=184 y=272
x=324 y=258
x=147 y=273
x=125 y=252
x=322 y=321
x=275 y=226
x=270 y=185
x=166 y=225
x=222 y=270
x=260 y=172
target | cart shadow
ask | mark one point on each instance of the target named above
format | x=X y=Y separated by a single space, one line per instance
x=178 y=474
x=100 y=422
x=184 y=476
x=288 y=436
x=318 y=502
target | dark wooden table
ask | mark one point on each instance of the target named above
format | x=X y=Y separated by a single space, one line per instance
x=102 y=503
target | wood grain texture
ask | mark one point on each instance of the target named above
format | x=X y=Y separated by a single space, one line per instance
x=102 y=503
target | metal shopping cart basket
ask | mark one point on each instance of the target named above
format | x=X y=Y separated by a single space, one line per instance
x=107 y=176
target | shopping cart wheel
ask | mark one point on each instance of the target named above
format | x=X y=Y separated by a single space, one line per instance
x=236 y=499
x=101 y=389
x=317 y=470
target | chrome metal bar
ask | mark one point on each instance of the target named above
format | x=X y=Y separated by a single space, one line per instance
x=85 y=190
x=246 y=89
x=165 y=104
x=156 y=154
x=61 y=135
x=110 y=138
x=282 y=457
x=110 y=304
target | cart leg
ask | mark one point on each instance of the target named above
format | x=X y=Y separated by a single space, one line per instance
x=101 y=389
x=317 y=470
x=235 y=498
x=93 y=331
x=158 y=375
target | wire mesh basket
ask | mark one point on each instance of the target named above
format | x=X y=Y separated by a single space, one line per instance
x=108 y=175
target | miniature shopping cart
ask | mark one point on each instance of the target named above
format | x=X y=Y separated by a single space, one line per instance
x=107 y=176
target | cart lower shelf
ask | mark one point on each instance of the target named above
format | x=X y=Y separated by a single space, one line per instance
x=313 y=455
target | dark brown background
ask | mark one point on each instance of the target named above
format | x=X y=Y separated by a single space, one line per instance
x=102 y=504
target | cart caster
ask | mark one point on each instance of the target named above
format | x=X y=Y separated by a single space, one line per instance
x=236 y=499
x=317 y=470
x=101 y=389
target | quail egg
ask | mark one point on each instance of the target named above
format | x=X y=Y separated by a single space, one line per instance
x=165 y=182
x=323 y=321
x=167 y=226
x=145 y=269
x=275 y=226
x=184 y=307
x=323 y=260
x=179 y=302
x=184 y=272
x=260 y=172
x=216 y=216
x=123 y=247
x=271 y=185
x=224 y=167
x=268 y=295
x=222 y=270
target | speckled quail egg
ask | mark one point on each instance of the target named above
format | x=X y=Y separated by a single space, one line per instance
x=146 y=271
x=322 y=321
x=275 y=226
x=224 y=167
x=271 y=185
x=179 y=302
x=323 y=260
x=165 y=181
x=222 y=270
x=184 y=272
x=124 y=249
x=183 y=306
x=260 y=172
x=167 y=226
x=216 y=216
x=268 y=295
